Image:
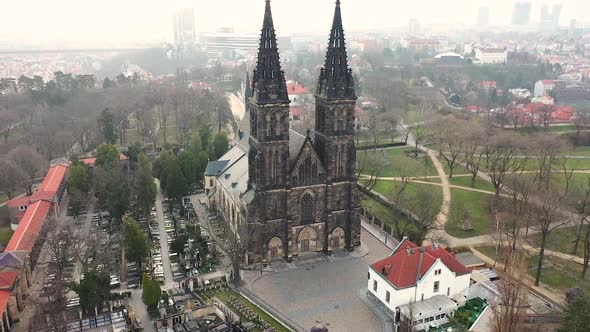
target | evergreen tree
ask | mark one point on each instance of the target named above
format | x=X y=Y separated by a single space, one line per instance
x=107 y=126
x=577 y=315
x=145 y=186
x=175 y=184
x=136 y=243
x=107 y=156
x=151 y=292
x=220 y=144
x=188 y=165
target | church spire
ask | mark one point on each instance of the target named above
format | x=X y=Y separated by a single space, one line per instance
x=268 y=81
x=336 y=80
x=247 y=90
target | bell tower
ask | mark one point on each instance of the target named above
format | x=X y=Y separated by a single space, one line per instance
x=334 y=135
x=268 y=105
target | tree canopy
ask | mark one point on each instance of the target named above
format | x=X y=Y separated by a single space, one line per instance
x=136 y=243
x=107 y=155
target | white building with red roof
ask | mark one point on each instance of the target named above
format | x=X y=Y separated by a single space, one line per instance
x=542 y=87
x=413 y=274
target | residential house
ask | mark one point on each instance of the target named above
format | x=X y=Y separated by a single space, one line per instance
x=412 y=274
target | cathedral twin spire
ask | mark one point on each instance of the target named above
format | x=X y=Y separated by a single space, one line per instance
x=336 y=80
x=268 y=82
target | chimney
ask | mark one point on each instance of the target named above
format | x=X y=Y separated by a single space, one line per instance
x=419 y=275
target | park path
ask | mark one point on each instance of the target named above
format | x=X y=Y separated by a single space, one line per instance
x=561 y=255
x=164 y=250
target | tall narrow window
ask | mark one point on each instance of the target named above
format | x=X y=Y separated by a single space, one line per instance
x=436 y=286
x=278 y=125
x=306 y=208
x=268 y=125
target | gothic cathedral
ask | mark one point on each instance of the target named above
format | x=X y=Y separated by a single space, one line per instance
x=283 y=192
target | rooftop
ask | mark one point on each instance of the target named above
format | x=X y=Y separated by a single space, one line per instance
x=409 y=263
x=29 y=227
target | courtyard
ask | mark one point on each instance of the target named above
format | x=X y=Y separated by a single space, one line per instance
x=327 y=291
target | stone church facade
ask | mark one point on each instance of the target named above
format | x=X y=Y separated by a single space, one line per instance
x=285 y=193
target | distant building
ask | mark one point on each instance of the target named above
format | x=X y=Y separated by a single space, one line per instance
x=489 y=85
x=572 y=29
x=543 y=87
x=522 y=13
x=483 y=17
x=228 y=44
x=550 y=19
x=414 y=275
x=414 y=27
x=491 y=55
x=184 y=27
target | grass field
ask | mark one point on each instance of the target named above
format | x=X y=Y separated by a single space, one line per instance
x=385 y=214
x=477 y=204
x=561 y=240
x=5 y=235
x=400 y=164
x=556 y=273
x=465 y=181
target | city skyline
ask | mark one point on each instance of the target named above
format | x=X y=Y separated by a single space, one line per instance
x=138 y=21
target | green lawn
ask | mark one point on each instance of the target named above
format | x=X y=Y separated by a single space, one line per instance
x=580 y=151
x=5 y=235
x=561 y=240
x=477 y=204
x=386 y=188
x=551 y=129
x=465 y=181
x=227 y=295
x=3 y=198
x=558 y=274
x=171 y=135
x=398 y=163
x=385 y=214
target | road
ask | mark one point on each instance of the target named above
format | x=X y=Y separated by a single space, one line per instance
x=237 y=106
x=164 y=251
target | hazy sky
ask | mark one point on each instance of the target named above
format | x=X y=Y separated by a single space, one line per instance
x=149 y=20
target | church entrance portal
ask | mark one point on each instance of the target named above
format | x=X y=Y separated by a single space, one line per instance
x=307 y=240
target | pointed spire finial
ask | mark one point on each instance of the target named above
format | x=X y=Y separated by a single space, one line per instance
x=336 y=80
x=268 y=80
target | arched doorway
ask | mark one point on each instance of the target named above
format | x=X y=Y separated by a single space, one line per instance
x=275 y=248
x=307 y=240
x=337 y=238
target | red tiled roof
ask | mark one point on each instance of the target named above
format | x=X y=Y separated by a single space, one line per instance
x=489 y=83
x=92 y=161
x=47 y=189
x=29 y=227
x=296 y=89
x=403 y=267
x=547 y=82
x=7 y=280
x=296 y=110
x=4 y=297
x=53 y=179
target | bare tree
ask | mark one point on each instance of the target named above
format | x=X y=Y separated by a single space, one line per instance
x=546 y=151
x=370 y=165
x=425 y=208
x=451 y=147
x=547 y=217
x=30 y=162
x=503 y=155
x=237 y=247
x=508 y=312
x=8 y=120
x=513 y=212
x=390 y=122
x=11 y=177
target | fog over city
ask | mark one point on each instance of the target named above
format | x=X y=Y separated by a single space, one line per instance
x=138 y=21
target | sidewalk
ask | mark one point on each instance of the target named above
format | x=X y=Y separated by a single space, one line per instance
x=379 y=234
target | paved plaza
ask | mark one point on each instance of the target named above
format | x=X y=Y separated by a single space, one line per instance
x=326 y=291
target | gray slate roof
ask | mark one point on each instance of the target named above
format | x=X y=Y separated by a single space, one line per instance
x=214 y=168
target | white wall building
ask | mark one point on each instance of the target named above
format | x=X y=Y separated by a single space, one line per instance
x=413 y=274
x=543 y=86
x=491 y=55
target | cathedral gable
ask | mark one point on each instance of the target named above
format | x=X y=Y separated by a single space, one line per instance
x=307 y=167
